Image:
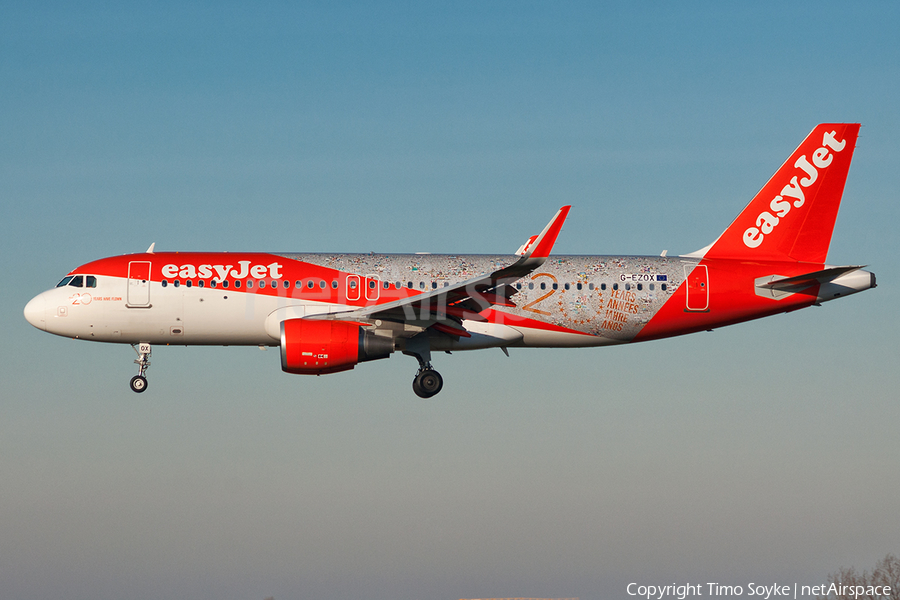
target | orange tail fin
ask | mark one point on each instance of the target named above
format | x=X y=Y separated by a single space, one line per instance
x=793 y=215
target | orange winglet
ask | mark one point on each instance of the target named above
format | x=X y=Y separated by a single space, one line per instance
x=544 y=243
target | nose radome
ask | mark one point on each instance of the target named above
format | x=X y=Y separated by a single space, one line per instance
x=35 y=312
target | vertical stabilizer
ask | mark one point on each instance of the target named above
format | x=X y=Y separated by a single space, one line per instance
x=792 y=217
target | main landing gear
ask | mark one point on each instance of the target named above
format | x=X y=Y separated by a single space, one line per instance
x=427 y=381
x=139 y=382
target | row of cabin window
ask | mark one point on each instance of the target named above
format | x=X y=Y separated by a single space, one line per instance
x=237 y=283
x=310 y=284
x=590 y=286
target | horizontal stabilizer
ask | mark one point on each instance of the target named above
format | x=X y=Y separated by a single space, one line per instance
x=792 y=284
x=825 y=284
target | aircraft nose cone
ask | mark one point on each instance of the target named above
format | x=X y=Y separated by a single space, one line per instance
x=36 y=312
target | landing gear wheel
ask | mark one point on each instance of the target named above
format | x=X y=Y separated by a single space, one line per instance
x=427 y=383
x=138 y=383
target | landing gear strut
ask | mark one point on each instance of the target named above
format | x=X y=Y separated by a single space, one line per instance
x=427 y=381
x=139 y=382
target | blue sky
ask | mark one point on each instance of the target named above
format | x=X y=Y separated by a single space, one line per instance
x=761 y=452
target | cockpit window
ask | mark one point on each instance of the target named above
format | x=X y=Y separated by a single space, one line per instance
x=78 y=281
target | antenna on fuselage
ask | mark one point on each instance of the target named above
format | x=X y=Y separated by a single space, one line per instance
x=150 y=249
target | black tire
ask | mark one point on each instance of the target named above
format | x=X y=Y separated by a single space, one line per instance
x=138 y=384
x=428 y=383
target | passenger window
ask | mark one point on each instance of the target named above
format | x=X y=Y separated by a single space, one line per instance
x=543 y=286
x=590 y=286
x=188 y=283
x=577 y=286
x=421 y=285
x=566 y=286
x=334 y=284
x=200 y=283
x=65 y=281
x=518 y=286
x=237 y=283
x=250 y=284
x=176 y=283
x=603 y=286
x=651 y=287
x=555 y=286
x=386 y=284
x=353 y=284
x=213 y=283
x=309 y=284
x=321 y=284
x=640 y=286
x=225 y=284
x=615 y=286
x=662 y=286
x=77 y=281
x=627 y=286
x=371 y=285
x=275 y=284
x=434 y=285
x=409 y=284
x=90 y=281
x=165 y=283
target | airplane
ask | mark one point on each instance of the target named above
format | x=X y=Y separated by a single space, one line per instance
x=329 y=312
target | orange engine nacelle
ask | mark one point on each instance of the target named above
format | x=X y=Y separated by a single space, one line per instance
x=318 y=347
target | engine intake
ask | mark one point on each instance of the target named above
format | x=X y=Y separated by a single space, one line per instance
x=311 y=347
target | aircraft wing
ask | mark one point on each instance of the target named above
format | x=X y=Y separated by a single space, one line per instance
x=466 y=299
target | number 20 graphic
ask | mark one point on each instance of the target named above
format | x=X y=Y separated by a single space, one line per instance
x=552 y=291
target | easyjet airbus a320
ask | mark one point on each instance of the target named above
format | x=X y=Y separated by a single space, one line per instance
x=328 y=312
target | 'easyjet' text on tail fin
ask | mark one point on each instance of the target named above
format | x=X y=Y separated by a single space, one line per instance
x=793 y=215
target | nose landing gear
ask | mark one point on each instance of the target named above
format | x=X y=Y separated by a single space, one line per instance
x=139 y=382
